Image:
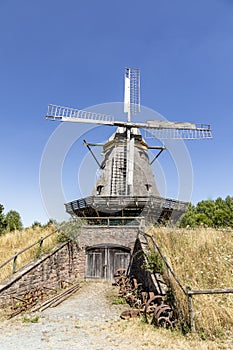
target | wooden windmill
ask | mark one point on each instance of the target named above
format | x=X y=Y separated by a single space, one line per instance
x=126 y=187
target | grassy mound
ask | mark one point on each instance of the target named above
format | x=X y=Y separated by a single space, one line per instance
x=201 y=259
x=15 y=241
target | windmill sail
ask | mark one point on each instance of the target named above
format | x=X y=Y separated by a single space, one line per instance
x=127 y=93
x=66 y=114
x=132 y=91
x=131 y=107
x=162 y=129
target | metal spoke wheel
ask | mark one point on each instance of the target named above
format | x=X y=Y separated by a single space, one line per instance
x=150 y=308
x=163 y=316
x=164 y=322
x=120 y=275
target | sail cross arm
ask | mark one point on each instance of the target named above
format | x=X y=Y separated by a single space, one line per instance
x=153 y=128
x=163 y=124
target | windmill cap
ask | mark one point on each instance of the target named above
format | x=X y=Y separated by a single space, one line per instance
x=121 y=133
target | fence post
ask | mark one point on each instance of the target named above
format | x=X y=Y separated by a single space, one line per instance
x=15 y=262
x=41 y=240
x=191 y=310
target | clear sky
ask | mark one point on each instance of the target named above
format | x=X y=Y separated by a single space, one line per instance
x=73 y=53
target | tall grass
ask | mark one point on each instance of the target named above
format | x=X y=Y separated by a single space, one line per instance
x=201 y=259
x=13 y=242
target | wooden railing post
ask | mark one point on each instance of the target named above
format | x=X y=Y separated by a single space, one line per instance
x=15 y=262
x=41 y=240
x=191 y=311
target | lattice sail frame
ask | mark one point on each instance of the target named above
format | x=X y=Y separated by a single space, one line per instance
x=201 y=132
x=132 y=91
x=77 y=115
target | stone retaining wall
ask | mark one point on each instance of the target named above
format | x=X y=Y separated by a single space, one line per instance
x=65 y=263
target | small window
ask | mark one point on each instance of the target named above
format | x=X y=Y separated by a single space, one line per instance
x=148 y=187
x=99 y=189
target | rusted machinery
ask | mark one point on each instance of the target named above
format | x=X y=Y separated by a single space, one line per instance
x=39 y=299
x=151 y=306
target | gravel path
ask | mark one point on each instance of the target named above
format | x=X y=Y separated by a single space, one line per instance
x=80 y=322
x=88 y=320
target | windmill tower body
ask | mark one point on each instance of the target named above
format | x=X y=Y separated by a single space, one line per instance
x=113 y=180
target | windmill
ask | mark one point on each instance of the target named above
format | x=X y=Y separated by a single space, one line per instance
x=126 y=187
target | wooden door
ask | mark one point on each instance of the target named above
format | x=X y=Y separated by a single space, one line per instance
x=102 y=262
x=95 y=264
x=118 y=259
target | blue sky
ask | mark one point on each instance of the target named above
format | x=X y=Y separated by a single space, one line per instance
x=73 y=53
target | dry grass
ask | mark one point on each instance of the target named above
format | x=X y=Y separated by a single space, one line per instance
x=13 y=242
x=202 y=259
x=147 y=337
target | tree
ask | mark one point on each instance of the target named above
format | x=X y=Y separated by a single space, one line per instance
x=218 y=213
x=223 y=218
x=221 y=204
x=207 y=207
x=229 y=202
x=2 y=219
x=202 y=219
x=13 y=221
x=189 y=218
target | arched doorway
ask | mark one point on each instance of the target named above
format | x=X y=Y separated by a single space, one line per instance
x=102 y=260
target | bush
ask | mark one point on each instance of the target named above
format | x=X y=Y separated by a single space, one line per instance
x=36 y=224
x=154 y=263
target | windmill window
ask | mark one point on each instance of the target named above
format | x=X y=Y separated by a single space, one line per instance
x=141 y=153
x=99 y=189
x=148 y=187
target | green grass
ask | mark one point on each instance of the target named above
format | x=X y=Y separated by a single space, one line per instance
x=34 y=319
x=118 y=301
